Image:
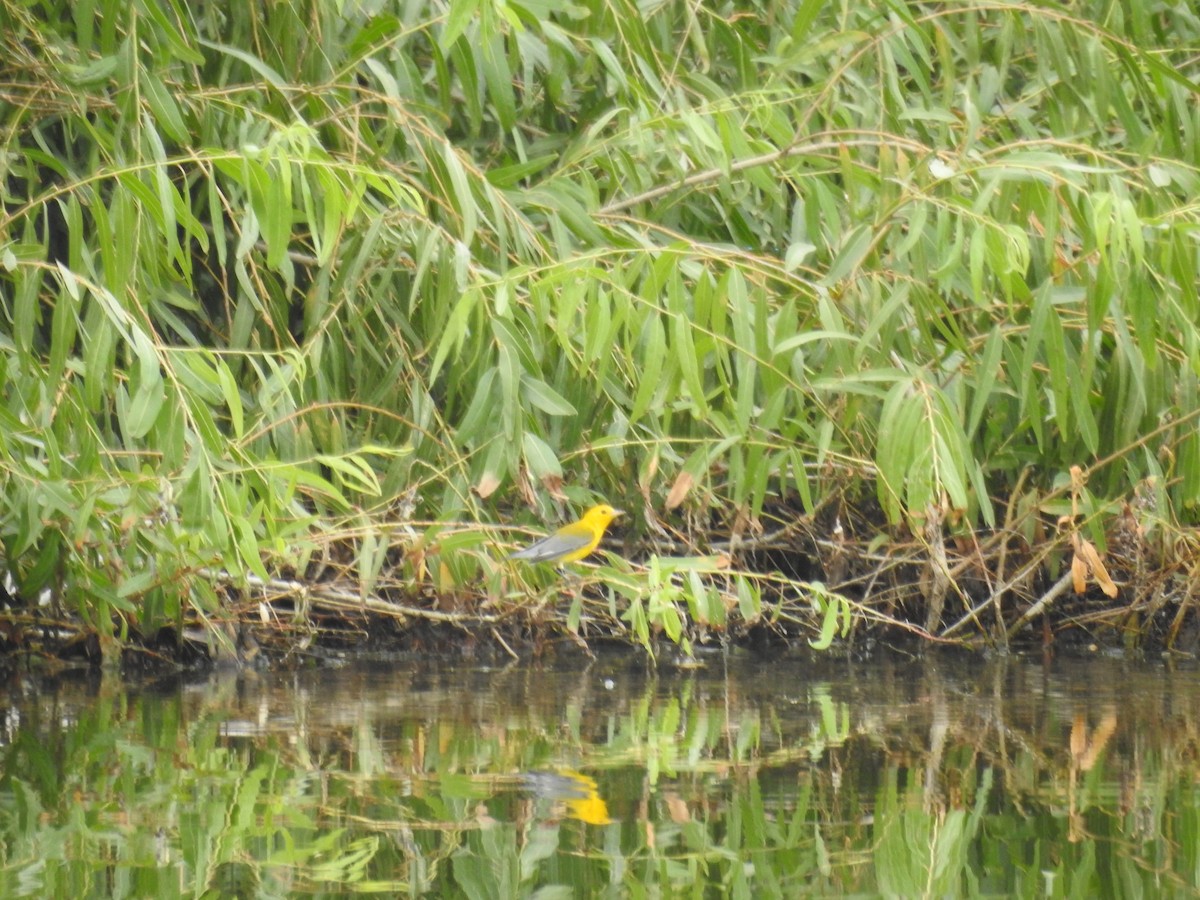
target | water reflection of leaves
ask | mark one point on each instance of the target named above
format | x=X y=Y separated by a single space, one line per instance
x=1085 y=751
x=903 y=778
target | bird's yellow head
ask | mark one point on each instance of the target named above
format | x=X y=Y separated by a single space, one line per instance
x=598 y=517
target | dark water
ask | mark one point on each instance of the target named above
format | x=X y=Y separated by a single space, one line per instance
x=940 y=777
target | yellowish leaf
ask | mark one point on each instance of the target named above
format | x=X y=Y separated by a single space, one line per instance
x=677 y=809
x=1086 y=550
x=416 y=558
x=648 y=476
x=1100 y=737
x=680 y=489
x=1079 y=739
x=487 y=485
x=1079 y=573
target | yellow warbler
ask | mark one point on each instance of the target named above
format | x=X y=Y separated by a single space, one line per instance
x=571 y=542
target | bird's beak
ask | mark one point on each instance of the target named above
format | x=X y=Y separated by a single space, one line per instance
x=618 y=512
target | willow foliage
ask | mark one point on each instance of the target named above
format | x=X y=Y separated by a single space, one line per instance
x=280 y=271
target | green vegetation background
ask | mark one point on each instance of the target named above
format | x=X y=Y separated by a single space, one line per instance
x=290 y=279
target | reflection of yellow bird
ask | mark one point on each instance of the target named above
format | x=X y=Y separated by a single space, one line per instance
x=571 y=542
x=578 y=793
x=591 y=809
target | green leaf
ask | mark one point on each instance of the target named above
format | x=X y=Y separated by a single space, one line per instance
x=508 y=176
x=461 y=14
x=853 y=251
x=166 y=112
x=355 y=470
x=256 y=65
x=985 y=382
x=831 y=607
x=149 y=396
x=654 y=357
x=539 y=394
x=539 y=457
x=232 y=396
x=460 y=194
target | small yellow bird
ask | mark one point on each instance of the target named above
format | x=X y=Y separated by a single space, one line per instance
x=571 y=542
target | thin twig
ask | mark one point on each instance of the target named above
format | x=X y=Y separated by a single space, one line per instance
x=331 y=595
x=1045 y=600
x=504 y=644
x=741 y=165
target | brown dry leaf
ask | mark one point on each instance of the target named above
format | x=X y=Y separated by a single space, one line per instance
x=1077 y=479
x=650 y=517
x=677 y=809
x=527 y=493
x=416 y=557
x=1106 y=583
x=1079 y=573
x=744 y=523
x=684 y=482
x=487 y=485
x=935 y=580
x=1100 y=738
x=648 y=476
x=1079 y=739
x=553 y=484
x=1091 y=557
x=1086 y=562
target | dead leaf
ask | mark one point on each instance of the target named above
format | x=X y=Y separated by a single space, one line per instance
x=1100 y=738
x=680 y=489
x=1085 y=748
x=526 y=490
x=1079 y=740
x=1077 y=479
x=553 y=484
x=648 y=476
x=1079 y=573
x=1086 y=562
x=416 y=558
x=487 y=485
x=1091 y=557
x=677 y=809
